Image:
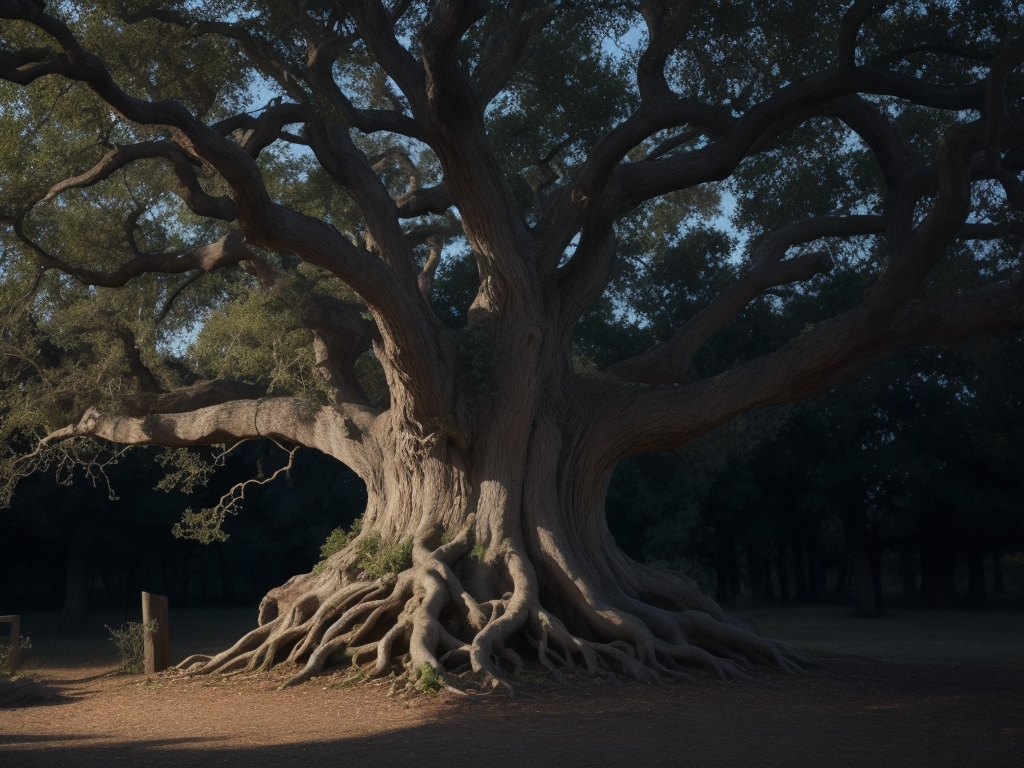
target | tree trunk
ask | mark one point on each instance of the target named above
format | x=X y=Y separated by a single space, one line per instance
x=866 y=560
x=457 y=554
x=485 y=524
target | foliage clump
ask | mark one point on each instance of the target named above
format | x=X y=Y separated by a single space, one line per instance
x=5 y=655
x=185 y=470
x=378 y=559
x=130 y=640
x=256 y=340
x=336 y=541
x=429 y=679
x=206 y=525
x=375 y=558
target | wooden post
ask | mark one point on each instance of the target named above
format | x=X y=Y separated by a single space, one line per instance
x=158 y=643
x=14 y=658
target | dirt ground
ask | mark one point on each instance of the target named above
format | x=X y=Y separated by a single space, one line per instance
x=874 y=712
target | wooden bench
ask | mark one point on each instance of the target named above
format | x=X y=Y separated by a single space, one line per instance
x=15 y=653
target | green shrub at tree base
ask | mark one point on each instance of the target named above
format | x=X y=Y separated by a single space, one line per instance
x=130 y=639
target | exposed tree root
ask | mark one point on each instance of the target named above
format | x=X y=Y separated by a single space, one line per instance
x=425 y=617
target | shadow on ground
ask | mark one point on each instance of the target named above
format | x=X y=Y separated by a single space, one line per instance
x=951 y=693
x=480 y=744
x=893 y=716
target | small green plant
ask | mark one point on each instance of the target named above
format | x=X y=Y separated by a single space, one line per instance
x=5 y=655
x=374 y=557
x=130 y=640
x=479 y=552
x=379 y=560
x=337 y=540
x=430 y=680
x=357 y=676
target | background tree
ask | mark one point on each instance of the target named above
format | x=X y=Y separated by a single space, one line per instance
x=209 y=205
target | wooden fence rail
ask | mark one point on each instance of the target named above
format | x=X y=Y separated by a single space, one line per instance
x=15 y=653
x=158 y=643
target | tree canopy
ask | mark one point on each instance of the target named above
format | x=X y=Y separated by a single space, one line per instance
x=481 y=253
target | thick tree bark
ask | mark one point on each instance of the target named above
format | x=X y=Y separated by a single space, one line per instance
x=490 y=547
x=484 y=530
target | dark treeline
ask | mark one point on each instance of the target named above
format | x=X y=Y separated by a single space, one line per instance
x=910 y=476
x=71 y=547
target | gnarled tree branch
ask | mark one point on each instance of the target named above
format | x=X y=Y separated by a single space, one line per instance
x=505 y=50
x=227 y=251
x=837 y=349
x=338 y=432
x=668 y=362
x=188 y=187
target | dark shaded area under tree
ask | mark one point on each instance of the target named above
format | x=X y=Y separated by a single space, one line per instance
x=75 y=546
x=909 y=474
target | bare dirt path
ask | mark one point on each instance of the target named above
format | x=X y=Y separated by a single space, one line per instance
x=880 y=713
x=889 y=715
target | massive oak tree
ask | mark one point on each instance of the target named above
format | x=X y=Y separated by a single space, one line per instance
x=325 y=164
